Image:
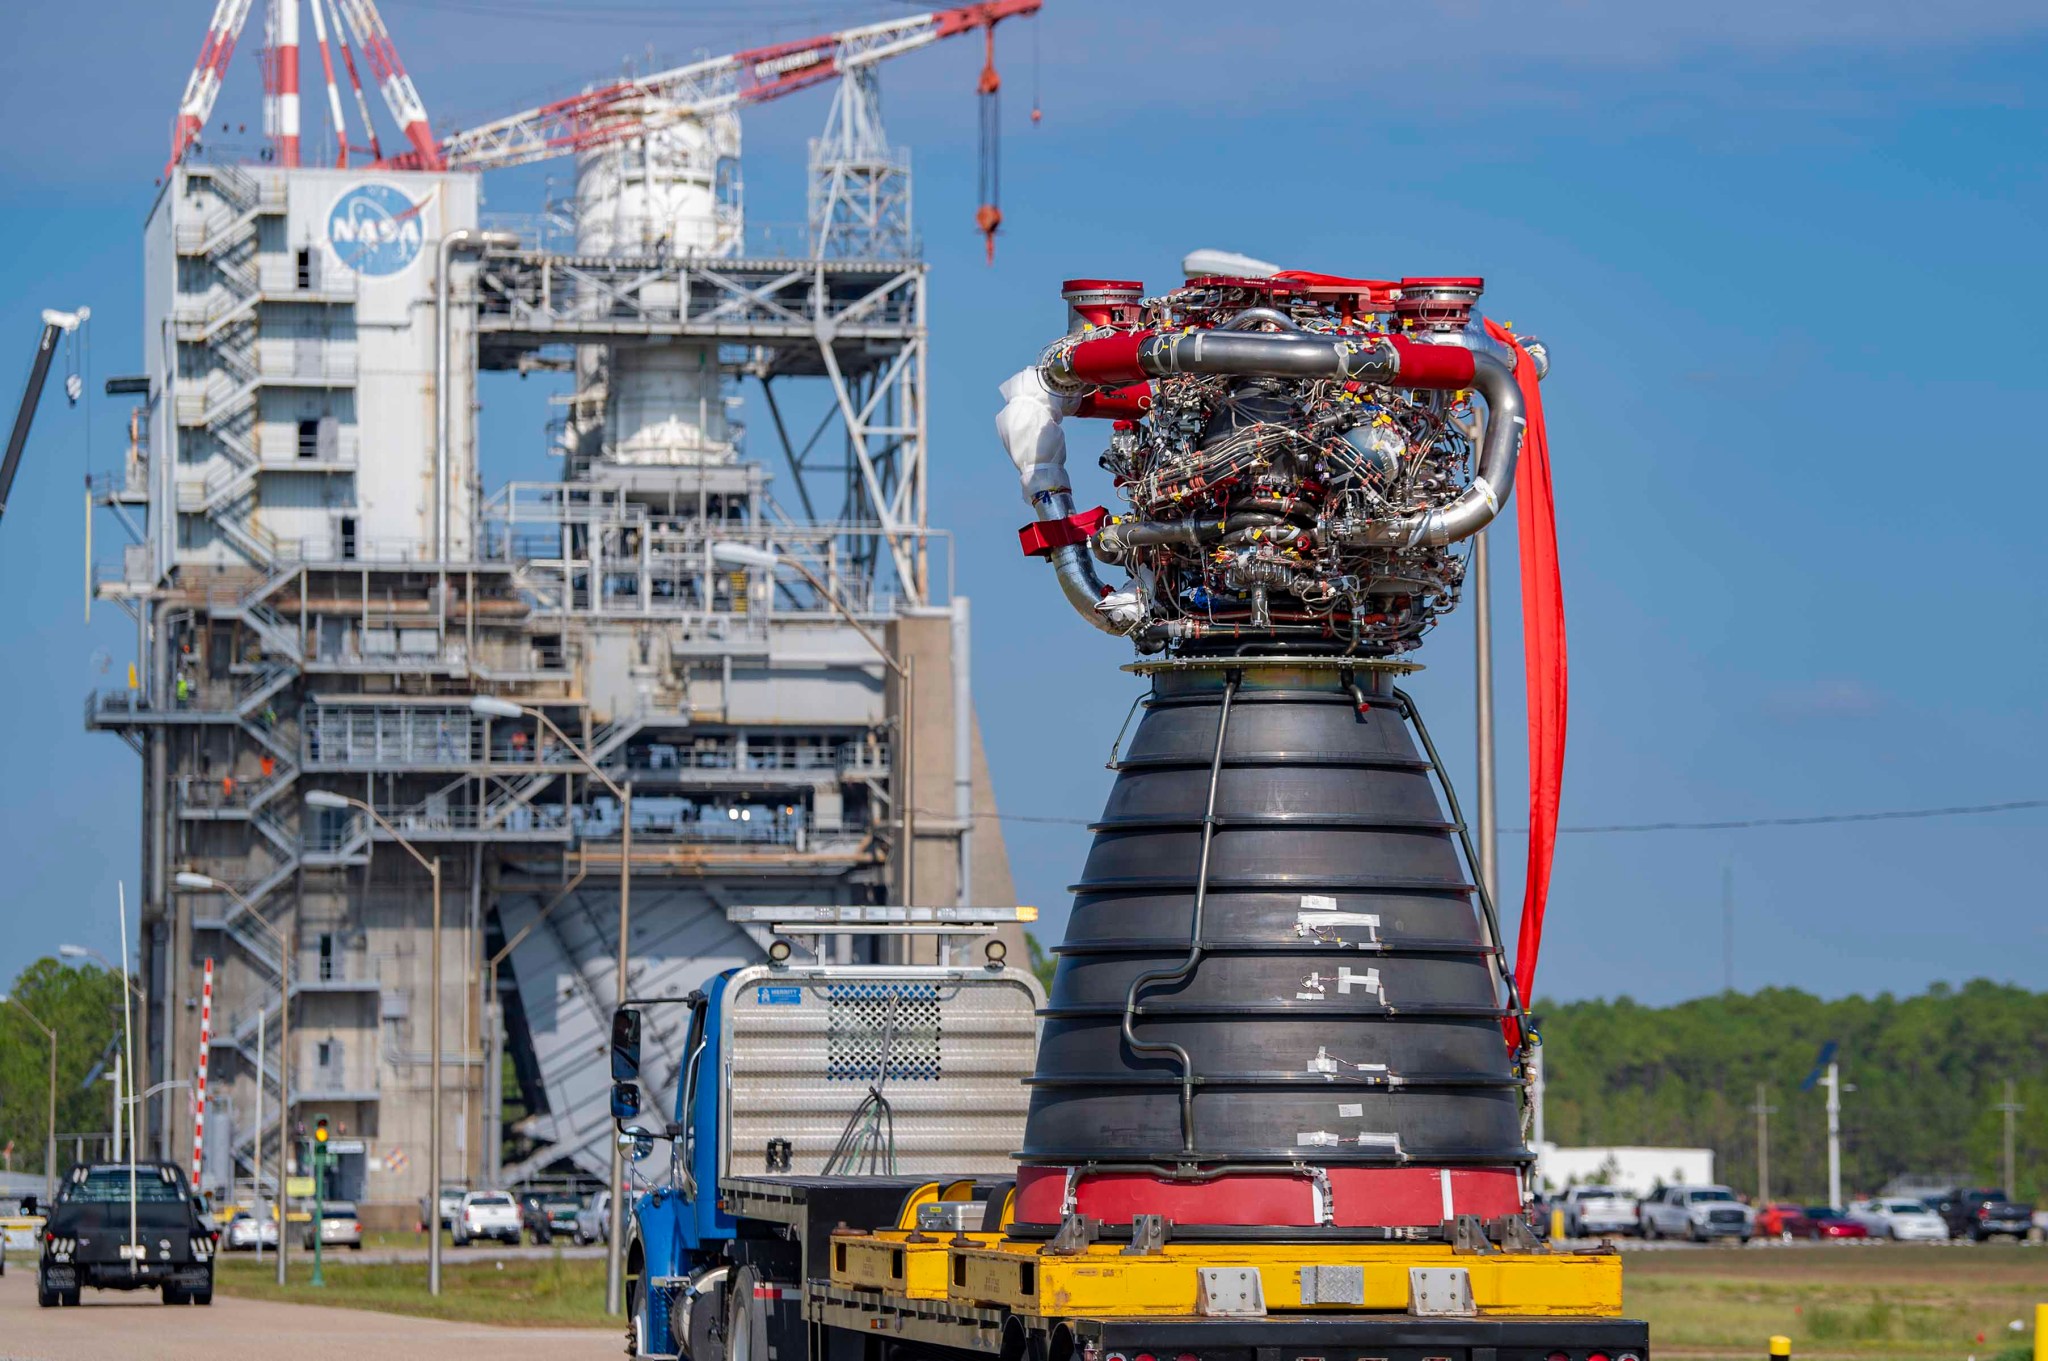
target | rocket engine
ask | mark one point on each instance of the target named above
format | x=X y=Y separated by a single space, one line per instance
x=1277 y=1004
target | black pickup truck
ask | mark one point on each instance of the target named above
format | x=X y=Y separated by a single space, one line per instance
x=87 y=1239
x=1979 y=1214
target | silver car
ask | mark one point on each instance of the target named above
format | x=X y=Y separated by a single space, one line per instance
x=245 y=1231
x=340 y=1227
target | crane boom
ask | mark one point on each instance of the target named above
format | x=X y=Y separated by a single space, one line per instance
x=55 y=324
x=712 y=86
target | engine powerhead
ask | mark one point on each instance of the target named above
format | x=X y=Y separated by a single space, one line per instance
x=1301 y=457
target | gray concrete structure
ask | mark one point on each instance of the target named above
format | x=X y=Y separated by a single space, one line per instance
x=296 y=630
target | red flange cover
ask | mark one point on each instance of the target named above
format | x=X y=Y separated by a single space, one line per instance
x=1040 y=537
x=1361 y=1197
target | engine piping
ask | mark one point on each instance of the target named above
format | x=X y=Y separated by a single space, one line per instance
x=1070 y=368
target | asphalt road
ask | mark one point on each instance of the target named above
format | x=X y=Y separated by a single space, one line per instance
x=109 y=1323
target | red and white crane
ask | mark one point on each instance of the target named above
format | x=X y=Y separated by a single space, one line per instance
x=564 y=127
x=358 y=18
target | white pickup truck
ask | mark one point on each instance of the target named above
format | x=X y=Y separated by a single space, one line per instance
x=487 y=1214
x=1696 y=1212
x=1595 y=1211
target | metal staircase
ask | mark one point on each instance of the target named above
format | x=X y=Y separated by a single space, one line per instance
x=228 y=325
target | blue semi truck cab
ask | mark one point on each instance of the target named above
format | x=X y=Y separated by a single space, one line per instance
x=811 y=1093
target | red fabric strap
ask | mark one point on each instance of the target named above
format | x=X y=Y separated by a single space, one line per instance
x=1545 y=670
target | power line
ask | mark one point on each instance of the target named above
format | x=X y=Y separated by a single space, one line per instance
x=1723 y=825
x=1812 y=820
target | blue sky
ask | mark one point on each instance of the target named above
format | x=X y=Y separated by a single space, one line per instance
x=1788 y=258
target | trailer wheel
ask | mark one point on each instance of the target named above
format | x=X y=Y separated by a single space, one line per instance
x=746 y=1319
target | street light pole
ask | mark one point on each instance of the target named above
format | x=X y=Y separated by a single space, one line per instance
x=2009 y=1108
x=325 y=798
x=206 y=883
x=491 y=707
x=49 y=1153
x=1763 y=1110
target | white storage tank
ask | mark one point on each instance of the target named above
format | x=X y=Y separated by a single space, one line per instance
x=671 y=192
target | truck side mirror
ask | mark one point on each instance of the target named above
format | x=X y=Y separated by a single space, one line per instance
x=625 y=1100
x=625 y=1045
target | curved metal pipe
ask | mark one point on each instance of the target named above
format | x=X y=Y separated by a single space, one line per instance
x=1071 y=564
x=1493 y=481
x=1272 y=315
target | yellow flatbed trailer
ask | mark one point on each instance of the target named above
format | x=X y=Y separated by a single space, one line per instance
x=902 y=1290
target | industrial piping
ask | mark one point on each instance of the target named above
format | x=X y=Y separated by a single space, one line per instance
x=1396 y=362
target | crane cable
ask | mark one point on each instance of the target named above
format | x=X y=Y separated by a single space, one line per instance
x=989 y=216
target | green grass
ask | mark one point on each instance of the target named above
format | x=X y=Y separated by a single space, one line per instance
x=1850 y=1302
x=533 y=1292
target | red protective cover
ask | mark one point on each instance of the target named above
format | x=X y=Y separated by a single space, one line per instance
x=1433 y=366
x=1125 y=403
x=1110 y=359
x=1040 y=537
x=1359 y=1196
x=1544 y=668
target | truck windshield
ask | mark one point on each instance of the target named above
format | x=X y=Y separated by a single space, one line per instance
x=103 y=1186
x=1699 y=1196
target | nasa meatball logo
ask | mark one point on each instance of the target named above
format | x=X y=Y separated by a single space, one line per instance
x=374 y=229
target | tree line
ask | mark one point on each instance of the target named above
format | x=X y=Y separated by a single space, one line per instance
x=1928 y=1072
x=83 y=1006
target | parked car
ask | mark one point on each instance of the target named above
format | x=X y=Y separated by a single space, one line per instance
x=1901 y=1220
x=340 y=1227
x=594 y=1220
x=1983 y=1213
x=547 y=1213
x=244 y=1231
x=87 y=1239
x=1590 y=1211
x=487 y=1214
x=1784 y=1220
x=1828 y=1223
x=450 y=1202
x=1696 y=1212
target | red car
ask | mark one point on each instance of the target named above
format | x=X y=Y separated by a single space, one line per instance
x=1782 y=1219
x=1824 y=1221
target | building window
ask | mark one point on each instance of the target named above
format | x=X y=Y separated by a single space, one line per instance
x=305 y=275
x=309 y=439
x=348 y=538
x=324 y=1054
x=326 y=958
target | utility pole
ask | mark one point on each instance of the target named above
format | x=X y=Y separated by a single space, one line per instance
x=1833 y=1082
x=1764 y=1111
x=2010 y=1107
x=1727 y=927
